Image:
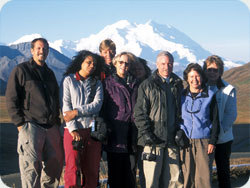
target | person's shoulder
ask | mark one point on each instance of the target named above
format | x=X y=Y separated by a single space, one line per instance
x=49 y=69
x=227 y=87
x=68 y=78
x=22 y=67
x=23 y=64
x=226 y=84
x=95 y=81
x=176 y=77
x=148 y=83
x=98 y=82
x=108 y=79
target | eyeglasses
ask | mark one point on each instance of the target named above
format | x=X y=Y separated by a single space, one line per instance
x=212 y=70
x=123 y=62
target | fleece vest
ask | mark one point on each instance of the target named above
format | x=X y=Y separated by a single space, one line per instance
x=196 y=114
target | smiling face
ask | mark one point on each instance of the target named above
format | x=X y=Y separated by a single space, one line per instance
x=88 y=66
x=122 y=66
x=194 y=80
x=40 y=52
x=164 y=66
x=108 y=54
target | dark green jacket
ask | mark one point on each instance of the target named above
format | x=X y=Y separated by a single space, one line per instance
x=151 y=110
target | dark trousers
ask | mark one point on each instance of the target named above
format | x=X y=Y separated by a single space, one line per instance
x=140 y=166
x=222 y=157
x=120 y=173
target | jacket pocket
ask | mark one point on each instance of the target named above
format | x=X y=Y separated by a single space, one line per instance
x=22 y=140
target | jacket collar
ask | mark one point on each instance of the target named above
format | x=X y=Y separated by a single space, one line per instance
x=203 y=94
x=78 y=77
x=128 y=81
x=173 y=78
x=220 y=83
x=34 y=64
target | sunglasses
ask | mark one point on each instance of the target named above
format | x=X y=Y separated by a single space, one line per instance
x=123 y=62
x=212 y=70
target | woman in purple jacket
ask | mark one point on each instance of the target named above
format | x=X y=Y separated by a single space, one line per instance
x=120 y=92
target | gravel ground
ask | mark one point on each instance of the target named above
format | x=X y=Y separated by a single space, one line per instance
x=9 y=170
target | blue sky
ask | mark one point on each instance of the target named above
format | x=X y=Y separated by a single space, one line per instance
x=220 y=26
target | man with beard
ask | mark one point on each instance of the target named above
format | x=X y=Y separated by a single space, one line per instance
x=32 y=98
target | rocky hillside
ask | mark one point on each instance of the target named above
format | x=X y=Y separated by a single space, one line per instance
x=240 y=78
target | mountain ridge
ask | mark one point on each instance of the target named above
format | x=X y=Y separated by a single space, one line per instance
x=139 y=39
x=55 y=60
x=239 y=77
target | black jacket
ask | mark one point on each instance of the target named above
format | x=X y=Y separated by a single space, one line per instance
x=151 y=110
x=32 y=94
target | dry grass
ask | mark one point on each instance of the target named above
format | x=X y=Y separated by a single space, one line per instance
x=242 y=118
x=240 y=78
x=4 y=118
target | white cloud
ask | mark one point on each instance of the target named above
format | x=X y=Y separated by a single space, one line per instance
x=2 y=3
x=247 y=3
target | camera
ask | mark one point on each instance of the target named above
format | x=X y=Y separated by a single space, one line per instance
x=78 y=145
x=100 y=131
x=148 y=156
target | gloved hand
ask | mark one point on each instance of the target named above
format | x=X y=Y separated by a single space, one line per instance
x=150 y=138
x=181 y=139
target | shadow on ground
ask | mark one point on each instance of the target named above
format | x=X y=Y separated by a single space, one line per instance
x=9 y=170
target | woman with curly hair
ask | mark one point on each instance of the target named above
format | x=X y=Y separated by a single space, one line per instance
x=81 y=99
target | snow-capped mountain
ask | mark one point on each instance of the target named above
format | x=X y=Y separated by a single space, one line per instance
x=144 y=40
x=26 y=38
x=15 y=54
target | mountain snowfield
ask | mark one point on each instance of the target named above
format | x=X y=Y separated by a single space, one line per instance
x=144 y=40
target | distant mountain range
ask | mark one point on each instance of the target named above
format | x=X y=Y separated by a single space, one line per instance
x=144 y=40
x=15 y=54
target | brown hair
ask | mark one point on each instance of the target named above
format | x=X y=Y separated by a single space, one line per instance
x=107 y=43
x=196 y=67
x=214 y=59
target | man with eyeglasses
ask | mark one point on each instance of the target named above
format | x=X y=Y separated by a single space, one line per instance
x=157 y=113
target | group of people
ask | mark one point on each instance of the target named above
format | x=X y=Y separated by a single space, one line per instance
x=142 y=113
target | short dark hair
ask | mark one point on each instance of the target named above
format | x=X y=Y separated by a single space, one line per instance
x=39 y=39
x=75 y=65
x=107 y=43
x=196 y=67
